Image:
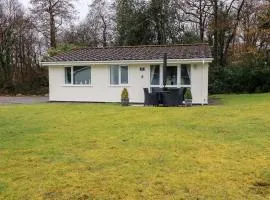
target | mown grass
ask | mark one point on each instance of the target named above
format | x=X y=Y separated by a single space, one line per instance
x=104 y=151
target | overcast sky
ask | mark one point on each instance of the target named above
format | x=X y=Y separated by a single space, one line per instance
x=81 y=6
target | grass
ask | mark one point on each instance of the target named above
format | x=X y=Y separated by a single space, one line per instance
x=105 y=151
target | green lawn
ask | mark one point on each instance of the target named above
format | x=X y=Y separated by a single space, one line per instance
x=105 y=151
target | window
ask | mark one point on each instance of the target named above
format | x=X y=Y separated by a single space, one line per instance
x=124 y=74
x=171 y=75
x=114 y=74
x=118 y=75
x=78 y=75
x=81 y=75
x=185 y=74
x=155 y=74
x=67 y=75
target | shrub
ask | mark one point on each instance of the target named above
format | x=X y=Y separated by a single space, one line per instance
x=188 y=94
x=124 y=95
x=250 y=76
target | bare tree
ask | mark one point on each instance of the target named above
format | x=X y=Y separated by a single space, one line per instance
x=19 y=49
x=225 y=22
x=50 y=15
x=197 y=12
x=100 y=17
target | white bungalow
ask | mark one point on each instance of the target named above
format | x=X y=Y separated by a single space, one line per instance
x=100 y=74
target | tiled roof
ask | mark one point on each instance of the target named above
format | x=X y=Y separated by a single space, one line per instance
x=194 y=51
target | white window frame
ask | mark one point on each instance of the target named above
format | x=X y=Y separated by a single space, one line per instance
x=119 y=76
x=178 y=85
x=72 y=79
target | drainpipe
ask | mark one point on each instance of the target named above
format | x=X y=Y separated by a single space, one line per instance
x=203 y=83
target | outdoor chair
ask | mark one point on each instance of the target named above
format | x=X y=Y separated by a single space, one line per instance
x=150 y=98
x=159 y=95
x=171 y=98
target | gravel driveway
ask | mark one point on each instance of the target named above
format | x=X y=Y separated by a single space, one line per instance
x=23 y=100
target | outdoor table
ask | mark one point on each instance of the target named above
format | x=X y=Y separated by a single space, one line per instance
x=160 y=95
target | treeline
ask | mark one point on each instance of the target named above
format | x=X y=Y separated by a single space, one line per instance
x=20 y=48
x=236 y=29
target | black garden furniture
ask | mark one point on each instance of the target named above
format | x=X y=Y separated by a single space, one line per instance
x=150 y=98
x=171 y=98
x=164 y=96
x=159 y=91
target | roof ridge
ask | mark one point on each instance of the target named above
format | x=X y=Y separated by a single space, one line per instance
x=141 y=46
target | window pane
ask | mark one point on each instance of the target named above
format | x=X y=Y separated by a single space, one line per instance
x=67 y=75
x=114 y=75
x=154 y=74
x=124 y=74
x=185 y=74
x=171 y=78
x=81 y=75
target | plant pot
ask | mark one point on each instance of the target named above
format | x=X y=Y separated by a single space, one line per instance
x=188 y=102
x=124 y=102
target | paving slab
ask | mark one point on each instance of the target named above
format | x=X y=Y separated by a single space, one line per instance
x=23 y=100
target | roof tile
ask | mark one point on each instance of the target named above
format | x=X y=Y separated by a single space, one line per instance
x=135 y=53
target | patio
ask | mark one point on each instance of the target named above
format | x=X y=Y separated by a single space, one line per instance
x=168 y=94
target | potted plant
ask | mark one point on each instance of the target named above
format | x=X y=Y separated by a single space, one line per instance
x=124 y=97
x=188 y=97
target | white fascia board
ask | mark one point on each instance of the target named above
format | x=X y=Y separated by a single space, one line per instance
x=126 y=62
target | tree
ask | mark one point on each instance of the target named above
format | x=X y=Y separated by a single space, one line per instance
x=225 y=21
x=133 y=24
x=264 y=25
x=50 y=15
x=197 y=12
x=19 y=50
x=96 y=30
x=100 y=17
x=159 y=12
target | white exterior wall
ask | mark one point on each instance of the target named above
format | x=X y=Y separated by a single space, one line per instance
x=101 y=90
x=199 y=83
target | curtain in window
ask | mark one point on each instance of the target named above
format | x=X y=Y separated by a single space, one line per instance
x=114 y=75
x=67 y=75
x=188 y=72
x=185 y=74
x=154 y=74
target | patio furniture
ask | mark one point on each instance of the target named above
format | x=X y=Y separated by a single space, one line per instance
x=150 y=98
x=171 y=98
x=158 y=90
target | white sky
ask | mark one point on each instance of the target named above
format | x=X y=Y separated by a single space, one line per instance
x=81 y=6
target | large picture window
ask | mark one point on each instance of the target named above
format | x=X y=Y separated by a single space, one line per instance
x=155 y=74
x=171 y=75
x=78 y=75
x=185 y=74
x=118 y=75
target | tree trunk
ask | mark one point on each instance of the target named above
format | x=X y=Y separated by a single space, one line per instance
x=215 y=31
x=104 y=33
x=52 y=31
x=201 y=24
